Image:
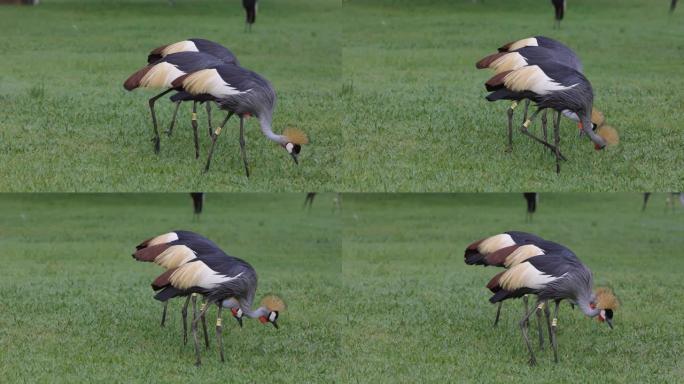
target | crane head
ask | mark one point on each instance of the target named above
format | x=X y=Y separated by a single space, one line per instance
x=294 y=139
x=271 y=306
x=271 y=318
x=237 y=314
x=607 y=303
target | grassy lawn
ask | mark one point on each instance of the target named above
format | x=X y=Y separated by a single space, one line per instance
x=418 y=313
x=68 y=125
x=418 y=120
x=77 y=308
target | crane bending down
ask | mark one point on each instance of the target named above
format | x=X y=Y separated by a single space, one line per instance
x=533 y=51
x=554 y=86
x=244 y=93
x=554 y=276
x=170 y=251
x=226 y=281
x=507 y=250
x=194 y=45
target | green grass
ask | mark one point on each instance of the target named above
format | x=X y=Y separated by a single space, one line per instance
x=417 y=117
x=68 y=125
x=77 y=308
x=417 y=313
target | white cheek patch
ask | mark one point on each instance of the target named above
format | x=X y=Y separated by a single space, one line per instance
x=603 y=314
x=272 y=317
x=239 y=313
x=289 y=147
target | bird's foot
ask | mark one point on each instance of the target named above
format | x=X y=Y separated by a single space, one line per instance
x=509 y=149
x=532 y=362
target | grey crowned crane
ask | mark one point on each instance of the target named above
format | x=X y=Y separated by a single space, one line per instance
x=170 y=251
x=507 y=250
x=226 y=281
x=559 y=7
x=251 y=8
x=244 y=93
x=554 y=86
x=556 y=276
x=532 y=51
x=157 y=55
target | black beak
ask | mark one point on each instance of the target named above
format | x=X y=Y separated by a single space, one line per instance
x=610 y=323
x=275 y=324
x=239 y=320
x=294 y=157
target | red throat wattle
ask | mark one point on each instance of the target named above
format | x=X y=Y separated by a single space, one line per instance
x=579 y=126
x=263 y=319
x=234 y=311
x=597 y=147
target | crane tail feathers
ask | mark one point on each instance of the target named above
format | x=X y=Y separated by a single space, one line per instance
x=487 y=61
x=134 y=80
x=168 y=293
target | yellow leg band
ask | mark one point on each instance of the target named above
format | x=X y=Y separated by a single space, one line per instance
x=194 y=116
x=217 y=131
x=514 y=104
x=526 y=123
x=540 y=306
x=203 y=306
x=218 y=321
x=554 y=322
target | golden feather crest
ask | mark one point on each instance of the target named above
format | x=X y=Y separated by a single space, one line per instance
x=605 y=299
x=295 y=136
x=273 y=303
x=609 y=134
x=597 y=117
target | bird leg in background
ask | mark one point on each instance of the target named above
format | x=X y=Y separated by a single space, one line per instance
x=208 y=106
x=204 y=325
x=184 y=313
x=214 y=136
x=151 y=102
x=173 y=119
x=554 y=324
x=194 y=128
x=166 y=303
x=510 y=126
x=539 y=325
x=523 y=327
x=194 y=335
x=498 y=312
x=219 y=328
x=524 y=130
x=242 y=145
x=556 y=138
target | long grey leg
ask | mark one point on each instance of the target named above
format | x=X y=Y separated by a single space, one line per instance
x=498 y=312
x=219 y=328
x=554 y=324
x=163 y=321
x=242 y=145
x=151 y=102
x=194 y=335
x=509 y=148
x=547 y=314
x=523 y=327
x=194 y=128
x=184 y=313
x=556 y=137
x=204 y=325
x=544 y=120
x=173 y=119
x=208 y=106
x=526 y=305
x=524 y=130
x=214 y=136
x=539 y=325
